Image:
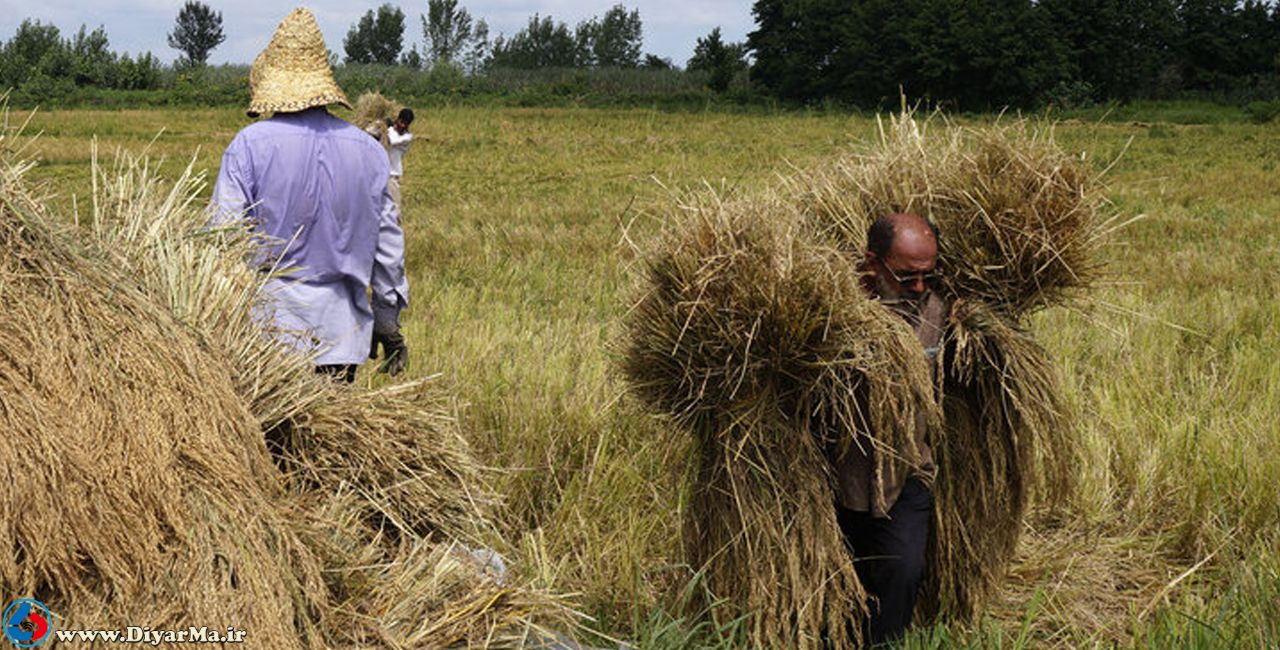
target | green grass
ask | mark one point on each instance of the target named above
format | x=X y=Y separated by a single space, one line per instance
x=519 y=223
x=1170 y=112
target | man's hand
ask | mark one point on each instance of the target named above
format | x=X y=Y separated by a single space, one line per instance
x=386 y=332
x=393 y=347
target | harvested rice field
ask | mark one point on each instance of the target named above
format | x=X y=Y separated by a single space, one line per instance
x=524 y=228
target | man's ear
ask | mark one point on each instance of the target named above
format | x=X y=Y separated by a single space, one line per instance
x=867 y=262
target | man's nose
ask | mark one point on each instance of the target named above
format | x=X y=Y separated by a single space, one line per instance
x=916 y=283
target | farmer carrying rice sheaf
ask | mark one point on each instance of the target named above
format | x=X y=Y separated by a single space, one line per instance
x=316 y=188
x=885 y=518
x=398 y=140
x=865 y=440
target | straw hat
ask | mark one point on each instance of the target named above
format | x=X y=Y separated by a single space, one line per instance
x=293 y=73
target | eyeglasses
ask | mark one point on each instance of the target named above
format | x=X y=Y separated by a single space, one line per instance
x=931 y=278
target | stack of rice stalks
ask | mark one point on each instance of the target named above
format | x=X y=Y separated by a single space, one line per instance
x=753 y=333
x=142 y=404
x=373 y=113
x=751 y=336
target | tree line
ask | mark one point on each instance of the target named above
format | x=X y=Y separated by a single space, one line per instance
x=967 y=54
x=39 y=59
x=982 y=54
x=40 y=62
x=452 y=36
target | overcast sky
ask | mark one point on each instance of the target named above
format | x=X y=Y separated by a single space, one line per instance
x=136 y=26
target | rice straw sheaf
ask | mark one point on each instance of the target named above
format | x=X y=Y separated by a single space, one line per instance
x=1004 y=442
x=1019 y=230
x=762 y=345
x=372 y=110
x=140 y=396
x=1021 y=216
x=137 y=486
x=399 y=444
x=753 y=332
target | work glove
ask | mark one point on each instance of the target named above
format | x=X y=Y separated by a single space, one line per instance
x=386 y=332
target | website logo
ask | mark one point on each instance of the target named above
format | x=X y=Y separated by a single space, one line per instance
x=26 y=623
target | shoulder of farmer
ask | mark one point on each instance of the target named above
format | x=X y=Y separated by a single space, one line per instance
x=369 y=149
x=236 y=154
x=258 y=130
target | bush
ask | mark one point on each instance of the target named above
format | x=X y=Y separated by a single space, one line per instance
x=1263 y=111
x=142 y=73
x=41 y=88
x=1070 y=94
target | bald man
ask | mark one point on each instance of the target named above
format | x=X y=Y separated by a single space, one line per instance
x=888 y=538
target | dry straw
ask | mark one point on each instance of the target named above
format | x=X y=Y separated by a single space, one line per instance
x=1019 y=215
x=140 y=396
x=753 y=338
x=1020 y=230
x=753 y=333
x=373 y=112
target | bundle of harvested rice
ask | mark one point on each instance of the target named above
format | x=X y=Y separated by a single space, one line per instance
x=399 y=444
x=373 y=112
x=753 y=332
x=139 y=395
x=1020 y=215
x=760 y=343
x=1003 y=442
x=1019 y=229
x=137 y=485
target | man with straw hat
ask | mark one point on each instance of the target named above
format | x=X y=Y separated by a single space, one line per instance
x=315 y=188
x=885 y=517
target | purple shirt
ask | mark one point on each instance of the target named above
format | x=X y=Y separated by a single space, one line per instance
x=316 y=186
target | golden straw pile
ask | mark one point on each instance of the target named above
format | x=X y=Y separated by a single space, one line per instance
x=748 y=334
x=372 y=112
x=752 y=332
x=167 y=465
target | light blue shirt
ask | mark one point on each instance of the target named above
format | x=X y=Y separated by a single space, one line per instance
x=316 y=188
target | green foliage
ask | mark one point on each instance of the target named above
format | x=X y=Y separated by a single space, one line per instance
x=42 y=66
x=722 y=61
x=377 y=38
x=1224 y=42
x=1118 y=46
x=92 y=61
x=196 y=32
x=478 y=52
x=971 y=55
x=543 y=43
x=448 y=30
x=142 y=73
x=1262 y=112
x=655 y=62
x=612 y=41
x=21 y=57
x=995 y=53
x=795 y=42
x=1069 y=95
x=411 y=59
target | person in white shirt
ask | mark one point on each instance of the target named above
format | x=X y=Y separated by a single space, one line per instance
x=399 y=139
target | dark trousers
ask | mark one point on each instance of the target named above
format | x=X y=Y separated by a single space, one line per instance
x=345 y=373
x=889 y=556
